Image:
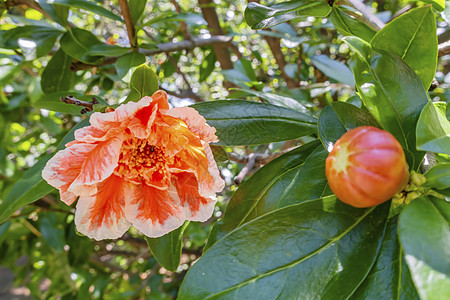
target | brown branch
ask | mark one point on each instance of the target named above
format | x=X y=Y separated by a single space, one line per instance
x=210 y=15
x=88 y=106
x=186 y=33
x=444 y=49
x=246 y=169
x=218 y=40
x=128 y=22
x=274 y=45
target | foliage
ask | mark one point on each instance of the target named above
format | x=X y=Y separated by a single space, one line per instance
x=286 y=80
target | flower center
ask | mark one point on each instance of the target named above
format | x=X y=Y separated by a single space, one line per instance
x=141 y=162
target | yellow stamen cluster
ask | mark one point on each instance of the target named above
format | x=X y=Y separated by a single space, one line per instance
x=140 y=161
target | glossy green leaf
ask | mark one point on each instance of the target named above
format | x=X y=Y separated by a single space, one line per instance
x=392 y=93
x=144 y=81
x=34 y=41
x=128 y=61
x=389 y=278
x=433 y=130
x=306 y=250
x=259 y=16
x=107 y=50
x=240 y=122
x=207 y=66
x=89 y=6
x=137 y=8
x=412 y=36
x=245 y=67
x=333 y=69
x=438 y=177
x=350 y=26
x=278 y=100
x=424 y=230
x=57 y=75
x=167 y=249
x=438 y=5
x=294 y=177
x=31 y=186
x=339 y=117
x=77 y=43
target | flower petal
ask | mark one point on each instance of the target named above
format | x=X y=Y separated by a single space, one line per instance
x=154 y=212
x=196 y=207
x=101 y=216
x=64 y=167
x=160 y=97
x=99 y=163
x=125 y=111
x=195 y=122
x=210 y=188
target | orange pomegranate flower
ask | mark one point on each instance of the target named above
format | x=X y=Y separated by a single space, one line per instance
x=143 y=165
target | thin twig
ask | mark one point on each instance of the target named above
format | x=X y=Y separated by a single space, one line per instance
x=88 y=106
x=184 y=94
x=128 y=22
x=186 y=33
x=246 y=169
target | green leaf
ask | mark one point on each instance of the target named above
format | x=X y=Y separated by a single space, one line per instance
x=220 y=155
x=424 y=230
x=333 y=69
x=389 y=278
x=207 y=66
x=107 y=50
x=57 y=75
x=144 y=81
x=245 y=67
x=349 y=26
x=167 y=249
x=89 y=6
x=31 y=186
x=259 y=16
x=433 y=129
x=34 y=41
x=339 y=117
x=77 y=43
x=240 y=122
x=52 y=231
x=438 y=177
x=297 y=252
x=276 y=99
x=392 y=93
x=128 y=61
x=438 y=5
x=296 y=176
x=137 y=8
x=58 y=13
x=412 y=36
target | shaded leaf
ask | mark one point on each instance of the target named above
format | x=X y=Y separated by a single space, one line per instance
x=438 y=176
x=144 y=81
x=137 y=8
x=300 y=251
x=107 y=50
x=333 y=69
x=240 y=122
x=339 y=117
x=412 y=36
x=296 y=176
x=58 y=13
x=77 y=43
x=52 y=231
x=31 y=186
x=207 y=66
x=438 y=5
x=128 y=61
x=392 y=93
x=389 y=278
x=167 y=249
x=57 y=75
x=349 y=26
x=433 y=130
x=259 y=16
x=220 y=155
